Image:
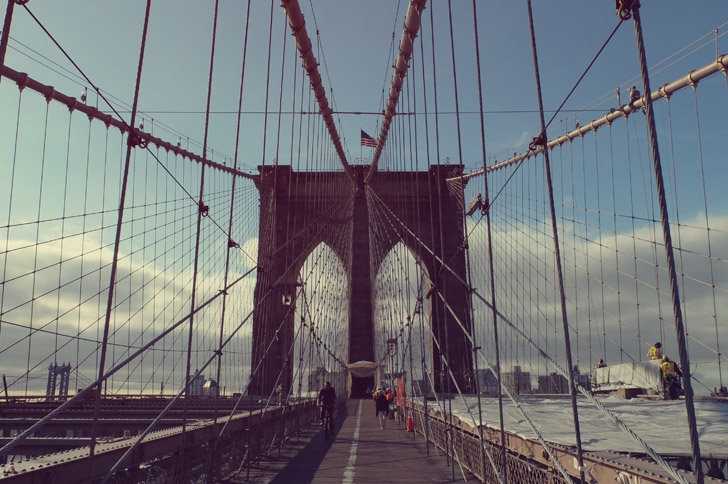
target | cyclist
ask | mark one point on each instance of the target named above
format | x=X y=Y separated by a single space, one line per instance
x=327 y=398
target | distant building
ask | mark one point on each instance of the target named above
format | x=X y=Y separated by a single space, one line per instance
x=553 y=383
x=487 y=381
x=517 y=381
x=319 y=376
x=196 y=385
x=210 y=389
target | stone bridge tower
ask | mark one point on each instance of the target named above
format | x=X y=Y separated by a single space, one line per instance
x=298 y=211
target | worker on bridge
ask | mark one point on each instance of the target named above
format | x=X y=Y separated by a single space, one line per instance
x=670 y=374
x=654 y=353
x=594 y=380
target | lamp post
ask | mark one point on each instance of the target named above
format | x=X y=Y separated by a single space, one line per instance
x=392 y=352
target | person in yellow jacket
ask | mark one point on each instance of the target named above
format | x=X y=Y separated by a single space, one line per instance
x=670 y=372
x=655 y=353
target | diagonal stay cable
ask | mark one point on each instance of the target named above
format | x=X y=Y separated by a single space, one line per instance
x=109 y=474
x=40 y=423
x=131 y=129
x=260 y=363
x=504 y=387
x=83 y=74
x=604 y=45
x=469 y=336
x=589 y=395
x=63 y=51
x=498 y=474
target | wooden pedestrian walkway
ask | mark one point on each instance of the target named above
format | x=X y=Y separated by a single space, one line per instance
x=359 y=453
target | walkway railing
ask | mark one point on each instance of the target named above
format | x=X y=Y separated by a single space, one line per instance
x=527 y=461
x=170 y=456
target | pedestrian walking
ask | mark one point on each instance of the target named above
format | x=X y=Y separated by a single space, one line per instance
x=382 y=408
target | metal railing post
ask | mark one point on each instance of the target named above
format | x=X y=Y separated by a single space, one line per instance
x=427 y=430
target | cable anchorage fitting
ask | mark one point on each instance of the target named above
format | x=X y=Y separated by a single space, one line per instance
x=624 y=8
x=204 y=209
x=539 y=140
x=49 y=95
x=135 y=140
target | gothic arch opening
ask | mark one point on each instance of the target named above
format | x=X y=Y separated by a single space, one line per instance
x=402 y=320
x=321 y=332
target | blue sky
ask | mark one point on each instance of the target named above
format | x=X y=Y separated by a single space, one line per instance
x=355 y=57
x=103 y=38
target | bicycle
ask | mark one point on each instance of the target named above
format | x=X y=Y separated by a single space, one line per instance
x=327 y=420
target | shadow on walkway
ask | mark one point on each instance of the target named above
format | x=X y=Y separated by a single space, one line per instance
x=303 y=467
x=359 y=453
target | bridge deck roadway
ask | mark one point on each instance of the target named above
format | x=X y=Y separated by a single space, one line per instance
x=360 y=453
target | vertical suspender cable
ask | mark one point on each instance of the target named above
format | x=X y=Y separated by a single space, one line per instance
x=267 y=83
x=303 y=43
x=441 y=327
x=411 y=27
x=469 y=301
x=445 y=375
x=131 y=141
x=432 y=237
x=707 y=229
x=202 y=210
x=675 y=291
x=490 y=256
x=231 y=243
x=557 y=253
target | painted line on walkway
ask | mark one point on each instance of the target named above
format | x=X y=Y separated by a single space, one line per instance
x=349 y=471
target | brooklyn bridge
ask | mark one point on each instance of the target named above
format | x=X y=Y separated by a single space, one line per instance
x=492 y=213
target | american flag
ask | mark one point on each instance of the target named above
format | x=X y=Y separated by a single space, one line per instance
x=367 y=140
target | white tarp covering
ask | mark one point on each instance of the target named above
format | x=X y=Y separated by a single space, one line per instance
x=362 y=369
x=645 y=374
x=359 y=369
x=663 y=424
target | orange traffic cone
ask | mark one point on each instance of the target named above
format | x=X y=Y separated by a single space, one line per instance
x=410 y=425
